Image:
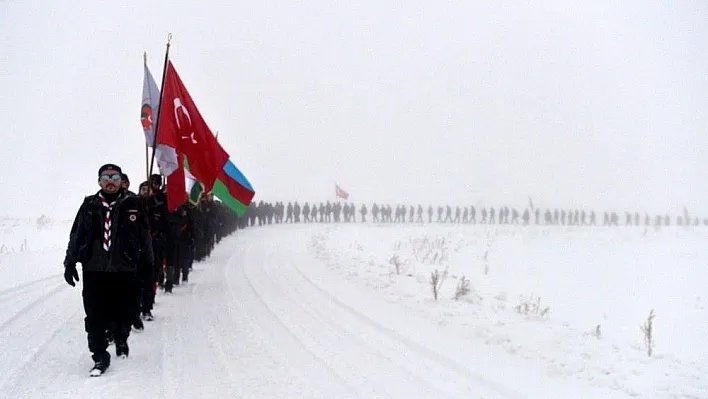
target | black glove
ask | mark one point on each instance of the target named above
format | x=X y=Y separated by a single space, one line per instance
x=70 y=274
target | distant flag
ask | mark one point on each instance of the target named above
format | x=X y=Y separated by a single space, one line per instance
x=340 y=193
x=165 y=156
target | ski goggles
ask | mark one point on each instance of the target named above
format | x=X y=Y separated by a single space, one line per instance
x=115 y=177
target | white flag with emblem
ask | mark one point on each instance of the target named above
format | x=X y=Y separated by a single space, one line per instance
x=165 y=156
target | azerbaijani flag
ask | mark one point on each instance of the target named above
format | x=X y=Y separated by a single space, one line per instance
x=233 y=189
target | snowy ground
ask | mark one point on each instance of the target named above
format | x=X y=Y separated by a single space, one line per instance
x=321 y=312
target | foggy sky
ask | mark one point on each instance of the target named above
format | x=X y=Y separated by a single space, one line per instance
x=598 y=105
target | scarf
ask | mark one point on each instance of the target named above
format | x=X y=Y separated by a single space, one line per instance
x=107 y=221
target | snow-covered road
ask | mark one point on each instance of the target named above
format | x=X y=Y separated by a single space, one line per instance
x=263 y=318
x=253 y=322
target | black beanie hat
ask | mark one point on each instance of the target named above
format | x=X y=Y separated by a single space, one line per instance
x=109 y=166
x=125 y=177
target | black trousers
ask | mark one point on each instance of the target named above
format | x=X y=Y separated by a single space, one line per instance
x=146 y=285
x=184 y=257
x=147 y=294
x=109 y=304
x=158 y=252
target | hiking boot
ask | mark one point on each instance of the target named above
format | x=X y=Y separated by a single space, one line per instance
x=122 y=349
x=138 y=324
x=101 y=364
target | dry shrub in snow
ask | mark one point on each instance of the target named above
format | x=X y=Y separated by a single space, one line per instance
x=490 y=240
x=462 y=289
x=648 y=331
x=396 y=262
x=43 y=222
x=594 y=332
x=532 y=307
x=436 y=281
x=486 y=265
x=430 y=251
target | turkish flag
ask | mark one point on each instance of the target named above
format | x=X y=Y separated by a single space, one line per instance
x=182 y=127
x=340 y=193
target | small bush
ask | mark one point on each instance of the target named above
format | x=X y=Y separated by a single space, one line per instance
x=436 y=281
x=648 y=330
x=396 y=262
x=462 y=289
x=532 y=307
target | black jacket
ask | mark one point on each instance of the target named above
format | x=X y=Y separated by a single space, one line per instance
x=183 y=225
x=131 y=245
x=158 y=218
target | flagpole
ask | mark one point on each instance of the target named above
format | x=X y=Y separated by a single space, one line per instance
x=147 y=156
x=147 y=162
x=159 y=103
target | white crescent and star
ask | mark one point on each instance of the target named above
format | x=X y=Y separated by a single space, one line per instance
x=179 y=106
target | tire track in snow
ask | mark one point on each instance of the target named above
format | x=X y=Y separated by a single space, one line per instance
x=24 y=310
x=26 y=286
x=412 y=345
x=214 y=339
x=14 y=376
x=258 y=293
x=27 y=330
x=185 y=351
x=340 y=332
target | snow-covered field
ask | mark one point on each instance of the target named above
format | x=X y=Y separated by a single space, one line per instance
x=569 y=300
x=347 y=311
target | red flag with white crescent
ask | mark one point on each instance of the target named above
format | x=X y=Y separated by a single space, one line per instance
x=340 y=193
x=183 y=128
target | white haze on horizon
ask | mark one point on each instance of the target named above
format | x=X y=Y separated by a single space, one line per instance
x=600 y=105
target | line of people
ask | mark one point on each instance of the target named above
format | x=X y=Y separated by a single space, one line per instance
x=327 y=212
x=129 y=245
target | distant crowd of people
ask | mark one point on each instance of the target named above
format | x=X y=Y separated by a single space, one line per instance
x=262 y=213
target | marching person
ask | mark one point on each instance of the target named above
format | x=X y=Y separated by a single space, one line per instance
x=159 y=228
x=185 y=235
x=110 y=237
x=125 y=183
x=150 y=278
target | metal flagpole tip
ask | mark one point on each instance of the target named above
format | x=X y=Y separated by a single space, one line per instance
x=169 y=38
